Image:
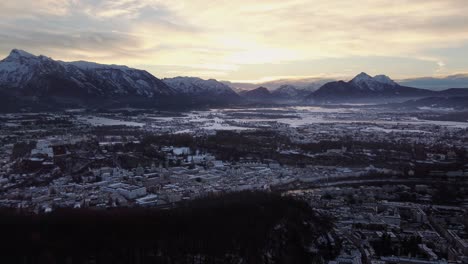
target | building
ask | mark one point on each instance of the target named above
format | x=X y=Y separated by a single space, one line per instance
x=128 y=191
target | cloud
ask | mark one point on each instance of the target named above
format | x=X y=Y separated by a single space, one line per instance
x=235 y=34
x=25 y=9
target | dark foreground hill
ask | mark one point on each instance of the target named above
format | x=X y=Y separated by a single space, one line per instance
x=242 y=227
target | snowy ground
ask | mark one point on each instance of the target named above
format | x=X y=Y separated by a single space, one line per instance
x=234 y=119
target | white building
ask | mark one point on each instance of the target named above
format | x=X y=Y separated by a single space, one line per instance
x=43 y=147
x=128 y=191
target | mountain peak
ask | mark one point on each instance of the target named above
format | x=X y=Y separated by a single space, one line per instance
x=365 y=82
x=17 y=53
x=40 y=75
x=362 y=76
x=260 y=92
x=384 y=79
x=261 y=88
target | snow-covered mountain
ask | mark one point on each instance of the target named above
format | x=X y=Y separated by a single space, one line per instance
x=284 y=95
x=290 y=92
x=27 y=74
x=379 y=87
x=28 y=81
x=199 y=87
x=307 y=84
x=21 y=68
x=258 y=94
x=363 y=86
x=385 y=79
x=376 y=83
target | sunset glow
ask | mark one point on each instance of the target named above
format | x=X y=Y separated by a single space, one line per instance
x=243 y=40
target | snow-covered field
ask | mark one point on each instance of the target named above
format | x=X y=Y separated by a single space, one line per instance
x=104 y=121
x=377 y=120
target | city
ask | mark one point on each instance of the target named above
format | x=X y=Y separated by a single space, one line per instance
x=395 y=184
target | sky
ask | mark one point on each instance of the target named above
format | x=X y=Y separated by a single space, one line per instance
x=246 y=40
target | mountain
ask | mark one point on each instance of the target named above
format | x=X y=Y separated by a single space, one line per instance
x=241 y=86
x=30 y=82
x=439 y=83
x=260 y=94
x=203 y=89
x=286 y=93
x=364 y=87
x=306 y=84
x=367 y=83
x=289 y=92
x=43 y=76
x=40 y=82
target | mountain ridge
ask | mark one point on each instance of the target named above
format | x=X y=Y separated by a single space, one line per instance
x=199 y=86
x=366 y=87
x=32 y=81
x=42 y=76
x=41 y=81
